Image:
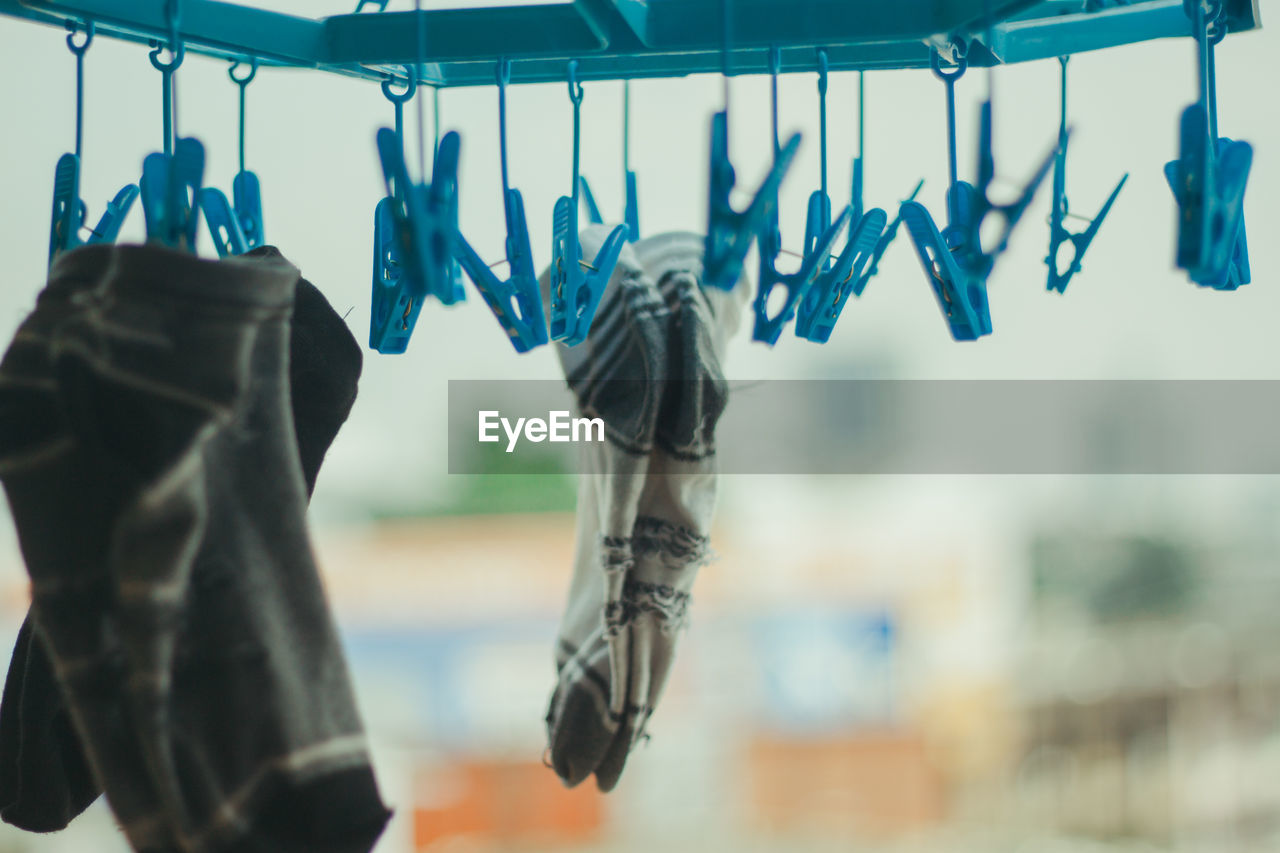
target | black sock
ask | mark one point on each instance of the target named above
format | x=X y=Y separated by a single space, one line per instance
x=44 y=778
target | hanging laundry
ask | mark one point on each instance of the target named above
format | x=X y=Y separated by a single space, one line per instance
x=45 y=781
x=149 y=454
x=651 y=370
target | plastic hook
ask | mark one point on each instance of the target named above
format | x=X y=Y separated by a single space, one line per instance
x=74 y=27
x=411 y=86
x=935 y=62
x=575 y=86
x=174 y=46
x=172 y=65
x=246 y=80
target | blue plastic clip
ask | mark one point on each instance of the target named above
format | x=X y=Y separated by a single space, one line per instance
x=855 y=191
x=981 y=206
x=961 y=295
x=69 y=211
x=821 y=307
x=885 y=237
x=589 y=199
x=224 y=225
x=825 y=301
x=886 y=240
x=961 y=292
x=1058 y=233
x=108 y=227
x=820 y=237
x=575 y=293
x=170 y=193
x=1211 y=174
x=820 y=233
x=1210 y=190
x=516 y=302
x=631 y=213
x=248 y=208
x=730 y=232
x=631 y=209
x=954 y=259
x=414 y=234
x=245 y=189
x=442 y=201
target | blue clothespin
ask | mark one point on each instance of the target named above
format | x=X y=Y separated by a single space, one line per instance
x=855 y=193
x=730 y=232
x=236 y=228
x=882 y=245
x=961 y=292
x=415 y=231
x=954 y=259
x=224 y=225
x=117 y=210
x=575 y=293
x=69 y=211
x=820 y=233
x=170 y=191
x=247 y=193
x=1211 y=174
x=589 y=199
x=454 y=287
x=821 y=307
x=516 y=302
x=1058 y=233
x=171 y=180
x=245 y=188
x=631 y=210
x=415 y=227
x=825 y=301
x=886 y=236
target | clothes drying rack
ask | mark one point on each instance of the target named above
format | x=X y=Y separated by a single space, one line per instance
x=419 y=251
x=636 y=39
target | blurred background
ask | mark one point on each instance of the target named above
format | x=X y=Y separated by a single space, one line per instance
x=876 y=663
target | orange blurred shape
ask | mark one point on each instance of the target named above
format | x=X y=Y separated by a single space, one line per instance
x=875 y=784
x=496 y=802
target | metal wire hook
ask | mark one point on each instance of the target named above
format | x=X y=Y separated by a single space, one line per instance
x=243 y=81
x=172 y=65
x=1215 y=23
x=962 y=64
x=575 y=87
x=73 y=27
x=79 y=51
x=175 y=46
x=411 y=86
